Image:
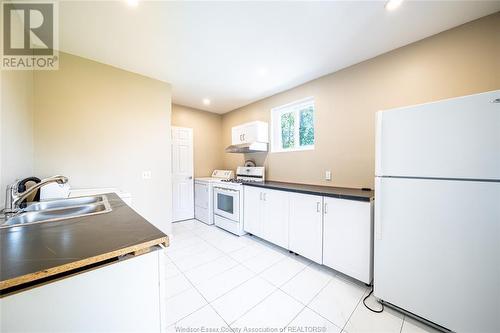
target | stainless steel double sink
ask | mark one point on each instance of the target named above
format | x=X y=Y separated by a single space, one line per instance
x=59 y=210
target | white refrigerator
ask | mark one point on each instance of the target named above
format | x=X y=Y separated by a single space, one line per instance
x=437 y=211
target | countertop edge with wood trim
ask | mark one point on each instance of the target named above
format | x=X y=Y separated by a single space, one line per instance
x=40 y=251
x=80 y=263
x=326 y=191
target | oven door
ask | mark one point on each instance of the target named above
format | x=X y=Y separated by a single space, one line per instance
x=227 y=203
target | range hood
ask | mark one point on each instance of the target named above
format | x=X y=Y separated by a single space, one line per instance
x=251 y=147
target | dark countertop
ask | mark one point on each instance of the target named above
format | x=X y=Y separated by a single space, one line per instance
x=327 y=191
x=37 y=251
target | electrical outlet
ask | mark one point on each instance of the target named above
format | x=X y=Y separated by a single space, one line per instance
x=328 y=175
x=146 y=174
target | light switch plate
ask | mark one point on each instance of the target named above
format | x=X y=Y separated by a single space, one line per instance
x=328 y=175
x=146 y=174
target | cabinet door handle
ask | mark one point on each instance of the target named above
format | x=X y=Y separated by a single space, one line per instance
x=264 y=194
x=317 y=207
x=326 y=208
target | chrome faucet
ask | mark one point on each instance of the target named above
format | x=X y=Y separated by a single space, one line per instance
x=13 y=198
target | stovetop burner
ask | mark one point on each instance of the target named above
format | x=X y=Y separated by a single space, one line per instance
x=241 y=181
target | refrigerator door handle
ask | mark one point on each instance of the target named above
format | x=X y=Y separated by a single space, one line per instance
x=378 y=208
x=378 y=144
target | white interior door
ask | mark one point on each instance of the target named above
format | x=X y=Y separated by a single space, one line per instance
x=182 y=174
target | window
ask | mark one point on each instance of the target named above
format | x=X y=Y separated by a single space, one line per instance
x=292 y=126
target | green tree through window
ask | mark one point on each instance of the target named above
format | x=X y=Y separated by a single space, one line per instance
x=306 y=129
x=293 y=126
x=287 y=130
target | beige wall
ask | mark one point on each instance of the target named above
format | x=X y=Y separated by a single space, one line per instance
x=101 y=127
x=207 y=132
x=461 y=61
x=16 y=128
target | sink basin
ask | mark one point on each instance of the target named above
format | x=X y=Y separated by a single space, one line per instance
x=61 y=203
x=59 y=210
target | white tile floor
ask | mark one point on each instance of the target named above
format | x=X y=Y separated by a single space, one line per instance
x=216 y=280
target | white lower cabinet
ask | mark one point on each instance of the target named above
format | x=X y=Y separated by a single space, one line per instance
x=266 y=214
x=347 y=237
x=275 y=217
x=123 y=296
x=337 y=233
x=252 y=210
x=306 y=225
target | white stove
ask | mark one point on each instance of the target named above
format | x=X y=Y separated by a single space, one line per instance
x=203 y=194
x=228 y=198
x=217 y=176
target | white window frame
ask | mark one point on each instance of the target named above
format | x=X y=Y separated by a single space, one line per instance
x=296 y=106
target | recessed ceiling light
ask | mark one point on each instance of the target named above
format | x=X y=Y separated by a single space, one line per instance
x=133 y=3
x=393 y=4
x=206 y=101
x=262 y=71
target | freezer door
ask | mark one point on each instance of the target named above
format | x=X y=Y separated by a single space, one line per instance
x=454 y=138
x=437 y=250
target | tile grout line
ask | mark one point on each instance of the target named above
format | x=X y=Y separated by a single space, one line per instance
x=239 y=263
x=288 y=324
x=279 y=287
x=269 y=295
x=175 y=323
x=262 y=300
x=210 y=262
x=402 y=324
x=265 y=269
x=307 y=305
x=350 y=316
x=286 y=256
x=208 y=303
x=311 y=298
x=253 y=276
x=187 y=247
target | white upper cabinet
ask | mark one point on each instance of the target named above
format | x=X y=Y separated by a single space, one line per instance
x=306 y=226
x=255 y=131
x=347 y=237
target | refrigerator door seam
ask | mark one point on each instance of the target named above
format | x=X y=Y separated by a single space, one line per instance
x=444 y=178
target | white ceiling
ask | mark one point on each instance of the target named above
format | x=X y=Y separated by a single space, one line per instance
x=235 y=53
